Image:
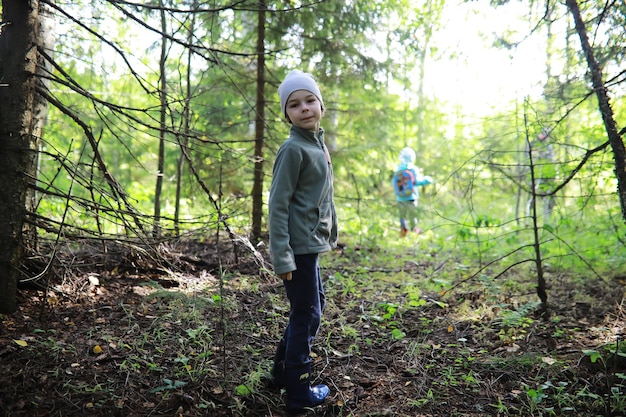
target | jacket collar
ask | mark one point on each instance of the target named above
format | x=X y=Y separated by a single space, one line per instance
x=309 y=135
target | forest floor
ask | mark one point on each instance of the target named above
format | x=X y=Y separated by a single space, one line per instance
x=191 y=331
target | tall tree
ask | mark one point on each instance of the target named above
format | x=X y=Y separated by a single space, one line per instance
x=617 y=144
x=415 y=30
x=259 y=127
x=162 y=127
x=20 y=124
x=183 y=138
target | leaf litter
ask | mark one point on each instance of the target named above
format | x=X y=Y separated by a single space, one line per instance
x=125 y=334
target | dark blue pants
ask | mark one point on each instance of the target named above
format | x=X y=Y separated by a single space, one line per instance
x=307 y=301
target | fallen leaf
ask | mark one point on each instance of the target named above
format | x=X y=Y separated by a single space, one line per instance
x=21 y=343
x=97 y=349
x=513 y=348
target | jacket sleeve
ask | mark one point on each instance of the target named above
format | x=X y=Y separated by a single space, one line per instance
x=423 y=181
x=284 y=180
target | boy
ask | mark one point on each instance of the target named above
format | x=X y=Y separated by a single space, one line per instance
x=406 y=181
x=302 y=224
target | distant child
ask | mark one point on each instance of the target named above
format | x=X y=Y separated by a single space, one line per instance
x=406 y=181
x=302 y=224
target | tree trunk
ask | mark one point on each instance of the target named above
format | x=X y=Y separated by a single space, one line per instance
x=18 y=144
x=156 y=233
x=257 y=187
x=617 y=145
x=184 y=138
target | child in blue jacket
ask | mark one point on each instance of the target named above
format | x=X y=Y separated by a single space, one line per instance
x=406 y=181
x=302 y=224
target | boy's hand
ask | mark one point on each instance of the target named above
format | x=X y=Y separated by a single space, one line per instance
x=285 y=277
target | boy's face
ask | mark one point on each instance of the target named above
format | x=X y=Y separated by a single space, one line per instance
x=304 y=110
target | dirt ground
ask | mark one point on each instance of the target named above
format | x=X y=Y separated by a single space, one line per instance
x=125 y=334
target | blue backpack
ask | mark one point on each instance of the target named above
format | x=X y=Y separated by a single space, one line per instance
x=404 y=183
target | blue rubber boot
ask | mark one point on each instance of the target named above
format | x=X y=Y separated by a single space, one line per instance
x=300 y=394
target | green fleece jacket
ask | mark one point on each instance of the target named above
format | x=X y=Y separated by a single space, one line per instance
x=302 y=217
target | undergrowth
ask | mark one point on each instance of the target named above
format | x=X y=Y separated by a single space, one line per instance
x=405 y=333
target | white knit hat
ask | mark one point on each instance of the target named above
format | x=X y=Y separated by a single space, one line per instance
x=407 y=155
x=297 y=80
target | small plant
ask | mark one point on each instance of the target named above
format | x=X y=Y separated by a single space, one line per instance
x=421 y=402
x=169 y=385
x=252 y=381
x=534 y=396
x=415 y=299
x=500 y=408
x=354 y=349
x=397 y=334
x=617 y=398
x=349 y=331
x=514 y=324
x=594 y=356
x=389 y=309
x=610 y=356
x=349 y=286
x=243 y=390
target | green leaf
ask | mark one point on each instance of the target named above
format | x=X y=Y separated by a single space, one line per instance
x=243 y=390
x=594 y=355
